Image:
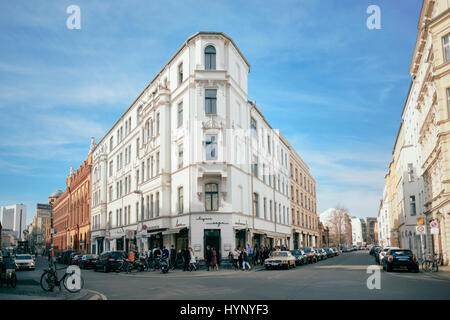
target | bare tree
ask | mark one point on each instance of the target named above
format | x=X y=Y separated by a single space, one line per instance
x=340 y=226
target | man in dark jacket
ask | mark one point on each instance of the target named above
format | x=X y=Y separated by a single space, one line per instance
x=187 y=257
x=173 y=257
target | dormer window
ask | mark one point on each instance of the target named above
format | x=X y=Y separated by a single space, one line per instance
x=210 y=58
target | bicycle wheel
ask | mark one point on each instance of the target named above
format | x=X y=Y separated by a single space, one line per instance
x=73 y=282
x=435 y=266
x=426 y=266
x=48 y=281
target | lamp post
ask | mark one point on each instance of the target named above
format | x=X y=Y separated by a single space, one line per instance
x=140 y=221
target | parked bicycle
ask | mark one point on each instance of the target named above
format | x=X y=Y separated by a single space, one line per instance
x=72 y=281
x=8 y=273
x=431 y=264
x=128 y=267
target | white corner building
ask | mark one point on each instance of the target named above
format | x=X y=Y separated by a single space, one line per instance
x=192 y=162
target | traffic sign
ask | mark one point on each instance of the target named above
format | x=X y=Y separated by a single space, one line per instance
x=144 y=227
x=420 y=229
x=434 y=224
x=434 y=230
x=420 y=221
x=130 y=234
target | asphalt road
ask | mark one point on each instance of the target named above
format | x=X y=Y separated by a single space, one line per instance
x=342 y=277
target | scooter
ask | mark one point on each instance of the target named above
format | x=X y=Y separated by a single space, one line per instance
x=164 y=265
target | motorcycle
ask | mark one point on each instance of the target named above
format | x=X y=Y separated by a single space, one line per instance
x=164 y=265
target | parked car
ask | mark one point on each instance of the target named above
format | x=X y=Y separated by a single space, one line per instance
x=376 y=254
x=300 y=256
x=329 y=251
x=400 y=258
x=336 y=251
x=280 y=259
x=109 y=261
x=24 y=261
x=311 y=254
x=75 y=258
x=65 y=257
x=322 y=253
x=372 y=249
x=382 y=253
x=88 y=261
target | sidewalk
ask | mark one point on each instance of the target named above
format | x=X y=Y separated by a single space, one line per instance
x=36 y=293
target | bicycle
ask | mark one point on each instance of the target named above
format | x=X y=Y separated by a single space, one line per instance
x=431 y=264
x=72 y=281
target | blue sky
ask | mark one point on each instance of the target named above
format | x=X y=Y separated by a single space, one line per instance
x=333 y=87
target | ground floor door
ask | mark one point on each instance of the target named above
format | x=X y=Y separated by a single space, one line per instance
x=240 y=238
x=99 y=246
x=182 y=239
x=295 y=240
x=212 y=238
x=120 y=244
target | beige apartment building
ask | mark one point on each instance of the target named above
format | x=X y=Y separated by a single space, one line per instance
x=305 y=221
x=431 y=61
x=425 y=129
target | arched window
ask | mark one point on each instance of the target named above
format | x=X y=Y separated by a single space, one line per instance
x=211 y=197
x=210 y=58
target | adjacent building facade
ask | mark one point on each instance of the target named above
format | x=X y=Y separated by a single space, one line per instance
x=305 y=221
x=418 y=182
x=14 y=218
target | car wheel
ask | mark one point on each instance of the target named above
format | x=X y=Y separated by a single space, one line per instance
x=388 y=269
x=105 y=269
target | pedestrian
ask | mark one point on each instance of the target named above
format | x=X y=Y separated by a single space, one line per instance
x=180 y=258
x=173 y=256
x=245 y=258
x=256 y=253
x=250 y=254
x=240 y=257
x=192 y=262
x=236 y=259
x=214 y=263
x=187 y=259
x=208 y=256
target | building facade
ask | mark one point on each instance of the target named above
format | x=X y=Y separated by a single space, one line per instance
x=421 y=187
x=72 y=209
x=192 y=162
x=14 y=218
x=305 y=221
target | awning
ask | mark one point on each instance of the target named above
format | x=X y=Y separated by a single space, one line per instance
x=257 y=231
x=174 y=230
x=275 y=234
x=239 y=227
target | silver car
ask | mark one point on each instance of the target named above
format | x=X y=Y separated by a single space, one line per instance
x=24 y=261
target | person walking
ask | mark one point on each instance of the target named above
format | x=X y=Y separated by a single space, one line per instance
x=245 y=258
x=236 y=259
x=192 y=262
x=208 y=256
x=187 y=259
x=240 y=257
x=214 y=263
x=173 y=257
x=250 y=254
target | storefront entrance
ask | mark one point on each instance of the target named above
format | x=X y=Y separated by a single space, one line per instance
x=119 y=244
x=296 y=240
x=240 y=238
x=257 y=240
x=212 y=238
x=155 y=240
x=99 y=246
x=182 y=239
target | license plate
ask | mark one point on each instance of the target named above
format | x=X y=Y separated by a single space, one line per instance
x=403 y=259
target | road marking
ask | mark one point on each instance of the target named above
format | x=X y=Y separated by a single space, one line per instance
x=98 y=294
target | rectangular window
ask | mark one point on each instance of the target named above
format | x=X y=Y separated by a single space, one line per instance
x=157 y=124
x=210 y=101
x=111 y=144
x=110 y=168
x=211 y=147
x=180 y=200
x=253 y=127
x=137 y=147
x=447 y=48
x=180 y=73
x=157 y=163
x=157 y=204
x=180 y=115
x=151 y=206
x=180 y=156
x=412 y=201
x=255 y=166
x=265 y=208
x=256 y=204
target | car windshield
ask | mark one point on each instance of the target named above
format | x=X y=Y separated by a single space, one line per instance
x=307 y=250
x=401 y=252
x=279 y=254
x=23 y=258
x=296 y=252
